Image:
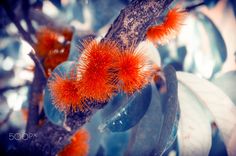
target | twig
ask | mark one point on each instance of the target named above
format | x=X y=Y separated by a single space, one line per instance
x=6 y=118
x=37 y=63
x=14 y=19
x=26 y=8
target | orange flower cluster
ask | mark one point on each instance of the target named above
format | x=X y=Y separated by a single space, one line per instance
x=52 y=46
x=78 y=146
x=64 y=92
x=103 y=69
x=168 y=29
x=96 y=78
x=132 y=70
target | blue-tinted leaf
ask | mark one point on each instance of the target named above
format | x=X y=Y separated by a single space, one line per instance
x=95 y=135
x=57 y=3
x=207 y=53
x=211 y=3
x=52 y=113
x=74 y=50
x=170 y=110
x=128 y=116
x=10 y=47
x=157 y=129
x=173 y=134
x=76 y=46
x=116 y=143
x=118 y=101
x=218 y=145
x=146 y=133
x=217 y=42
x=100 y=151
x=227 y=83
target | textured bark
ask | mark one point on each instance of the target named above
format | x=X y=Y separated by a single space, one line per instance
x=130 y=27
x=127 y=30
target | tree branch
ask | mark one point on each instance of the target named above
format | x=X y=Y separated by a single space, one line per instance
x=6 y=118
x=131 y=26
x=37 y=63
x=127 y=30
x=35 y=94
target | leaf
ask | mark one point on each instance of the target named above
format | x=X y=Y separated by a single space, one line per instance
x=170 y=110
x=57 y=3
x=150 y=51
x=194 y=133
x=211 y=3
x=118 y=101
x=206 y=55
x=95 y=135
x=74 y=53
x=226 y=83
x=115 y=143
x=145 y=134
x=220 y=106
x=217 y=42
x=157 y=129
x=129 y=115
x=53 y=114
x=77 y=45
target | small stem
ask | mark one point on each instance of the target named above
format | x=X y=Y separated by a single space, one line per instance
x=6 y=118
x=37 y=63
x=26 y=8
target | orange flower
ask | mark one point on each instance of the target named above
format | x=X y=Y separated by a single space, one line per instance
x=64 y=92
x=53 y=46
x=67 y=33
x=53 y=59
x=48 y=40
x=168 y=29
x=78 y=146
x=132 y=70
x=96 y=78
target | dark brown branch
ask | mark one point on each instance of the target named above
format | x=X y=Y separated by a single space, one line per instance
x=131 y=26
x=37 y=63
x=26 y=8
x=35 y=93
x=35 y=97
x=6 y=118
